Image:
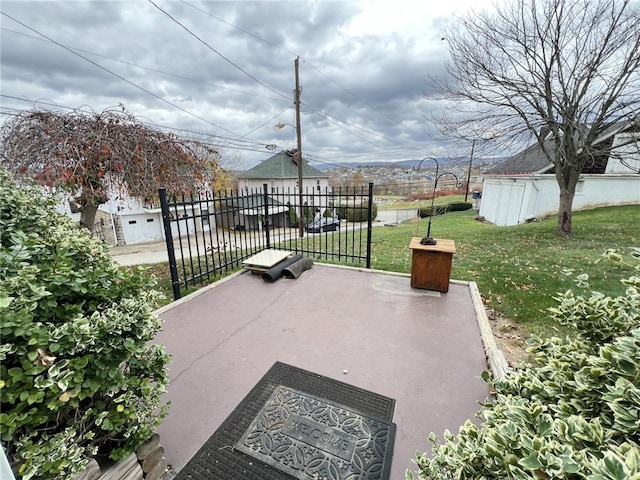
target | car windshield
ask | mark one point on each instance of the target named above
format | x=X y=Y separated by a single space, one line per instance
x=322 y=221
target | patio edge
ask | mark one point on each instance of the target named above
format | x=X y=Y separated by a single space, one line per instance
x=495 y=357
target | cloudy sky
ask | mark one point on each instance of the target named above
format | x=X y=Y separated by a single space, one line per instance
x=226 y=69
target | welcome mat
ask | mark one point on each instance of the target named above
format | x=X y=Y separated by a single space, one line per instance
x=295 y=424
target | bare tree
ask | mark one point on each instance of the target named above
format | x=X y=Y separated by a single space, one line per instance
x=562 y=72
x=91 y=155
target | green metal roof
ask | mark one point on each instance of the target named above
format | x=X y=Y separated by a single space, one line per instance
x=281 y=165
x=254 y=201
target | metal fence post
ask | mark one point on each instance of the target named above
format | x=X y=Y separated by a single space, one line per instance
x=369 y=224
x=266 y=215
x=168 y=236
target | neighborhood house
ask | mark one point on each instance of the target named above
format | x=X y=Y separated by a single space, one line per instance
x=128 y=220
x=524 y=187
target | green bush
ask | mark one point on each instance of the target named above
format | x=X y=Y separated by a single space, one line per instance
x=78 y=377
x=573 y=413
x=356 y=212
x=308 y=213
x=442 y=209
x=459 y=206
x=437 y=210
x=293 y=216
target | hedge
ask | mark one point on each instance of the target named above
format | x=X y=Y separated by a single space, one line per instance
x=78 y=377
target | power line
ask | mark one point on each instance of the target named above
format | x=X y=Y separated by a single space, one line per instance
x=327 y=115
x=407 y=148
x=239 y=141
x=120 y=76
x=268 y=121
x=316 y=69
x=219 y=141
x=218 y=53
x=376 y=144
x=151 y=69
x=349 y=92
x=196 y=116
x=239 y=28
x=257 y=37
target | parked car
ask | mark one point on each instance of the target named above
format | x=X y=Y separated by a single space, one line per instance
x=324 y=224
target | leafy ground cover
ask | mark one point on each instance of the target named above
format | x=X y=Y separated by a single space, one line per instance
x=571 y=413
x=79 y=377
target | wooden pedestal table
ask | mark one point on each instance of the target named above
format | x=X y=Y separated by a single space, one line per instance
x=431 y=264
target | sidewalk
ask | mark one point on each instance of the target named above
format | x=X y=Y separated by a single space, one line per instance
x=140 y=253
x=156 y=252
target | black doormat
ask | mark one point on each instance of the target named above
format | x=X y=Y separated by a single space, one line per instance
x=295 y=424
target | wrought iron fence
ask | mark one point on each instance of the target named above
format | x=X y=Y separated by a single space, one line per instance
x=209 y=235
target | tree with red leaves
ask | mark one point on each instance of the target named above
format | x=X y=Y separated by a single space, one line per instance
x=91 y=155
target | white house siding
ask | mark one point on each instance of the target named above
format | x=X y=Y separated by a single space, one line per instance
x=127 y=220
x=140 y=228
x=513 y=200
x=64 y=207
x=139 y=225
x=629 y=150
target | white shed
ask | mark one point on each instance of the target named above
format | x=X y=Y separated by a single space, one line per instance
x=524 y=187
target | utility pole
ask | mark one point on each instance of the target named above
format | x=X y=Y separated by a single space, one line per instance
x=473 y=146
x=298 y=156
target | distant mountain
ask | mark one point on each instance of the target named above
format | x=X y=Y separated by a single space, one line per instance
x=352 y=165
x=399 y=164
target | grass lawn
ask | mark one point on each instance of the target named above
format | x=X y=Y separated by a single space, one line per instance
x=518 y=269
x=399 y=203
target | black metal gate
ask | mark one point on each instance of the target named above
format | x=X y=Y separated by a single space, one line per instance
x=209 y=235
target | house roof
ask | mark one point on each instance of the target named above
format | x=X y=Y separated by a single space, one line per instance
x=530 y=160
x=254 y=204
x=253 y=201
x=281 y=165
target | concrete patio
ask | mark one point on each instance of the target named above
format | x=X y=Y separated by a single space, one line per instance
x=369 y=329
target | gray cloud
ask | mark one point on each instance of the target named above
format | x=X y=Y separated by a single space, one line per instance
x=362 y=93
